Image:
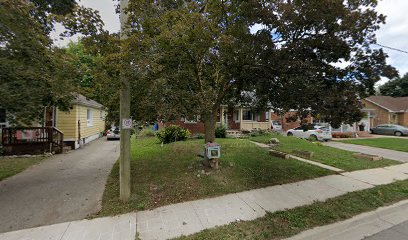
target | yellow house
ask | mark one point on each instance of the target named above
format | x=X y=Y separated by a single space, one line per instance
x=83 y=123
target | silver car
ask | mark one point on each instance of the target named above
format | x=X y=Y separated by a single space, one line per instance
x=390 y=129
x=113 y=133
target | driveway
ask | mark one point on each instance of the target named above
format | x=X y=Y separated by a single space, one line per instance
x=64 y=187
x=386 y=153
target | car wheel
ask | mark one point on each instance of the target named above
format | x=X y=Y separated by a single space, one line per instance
x=290 y=134
x=398 y=134
x=371 y=131
x=313 y=138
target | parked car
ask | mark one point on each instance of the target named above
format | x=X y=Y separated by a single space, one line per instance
x=390 y=129
x=317 y=133
x=276 y=126
x=113 y=133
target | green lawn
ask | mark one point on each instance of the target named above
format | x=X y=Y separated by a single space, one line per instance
x=327 y=155
x=169 y=174
x=397 y=144
x=12 y=166
x=287 y=223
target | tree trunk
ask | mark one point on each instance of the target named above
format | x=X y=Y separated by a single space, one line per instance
x=209 y=128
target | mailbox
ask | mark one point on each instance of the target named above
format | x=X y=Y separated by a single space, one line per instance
x=213 y=150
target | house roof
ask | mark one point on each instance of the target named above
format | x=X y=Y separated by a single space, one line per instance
x=82 y=100
x=392 y=104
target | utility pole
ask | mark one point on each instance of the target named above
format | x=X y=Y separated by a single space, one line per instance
x=124 y=112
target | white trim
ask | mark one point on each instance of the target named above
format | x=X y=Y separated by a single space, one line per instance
x=89 y=121
x=84 y=141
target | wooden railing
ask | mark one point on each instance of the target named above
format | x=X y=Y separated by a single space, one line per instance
x=24 y=140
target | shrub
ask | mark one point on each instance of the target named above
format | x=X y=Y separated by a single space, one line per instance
x=198 y=136
x=342 y=135
x=258 y=132
x=172 y=133
x=146 y=132
x=220 y=132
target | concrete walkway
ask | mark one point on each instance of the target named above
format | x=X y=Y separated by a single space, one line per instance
x=321 y=165
x=63 y=188
x=194 y=216
x=386 y=153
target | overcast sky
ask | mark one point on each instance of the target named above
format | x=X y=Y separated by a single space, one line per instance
x=394 y=33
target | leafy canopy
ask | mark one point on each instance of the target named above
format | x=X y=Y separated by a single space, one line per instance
x=203 y=54
x=397 y=87
x=33 y=73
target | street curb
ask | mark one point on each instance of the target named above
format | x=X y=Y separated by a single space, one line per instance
x=360 y=226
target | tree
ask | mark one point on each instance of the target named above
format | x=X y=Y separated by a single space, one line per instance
x=397 y=87
x=98 y=61
x=33 y=73
x=203 y=54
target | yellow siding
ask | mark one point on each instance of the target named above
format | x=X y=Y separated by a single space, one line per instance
x=98 y=124
x=67 y=123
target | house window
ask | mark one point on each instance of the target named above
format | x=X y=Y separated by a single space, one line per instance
x=194 y=119
x=267 y=116
x=89 y=117
x=247 y=115
x=102 y=114
x=2 y=115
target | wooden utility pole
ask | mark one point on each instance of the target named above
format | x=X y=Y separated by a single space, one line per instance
x=124 y=113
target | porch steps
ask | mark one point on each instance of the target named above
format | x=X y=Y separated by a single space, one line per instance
x=234 y=133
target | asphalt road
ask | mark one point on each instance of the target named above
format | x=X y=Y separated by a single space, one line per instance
x=398 y=232
x=63 y=188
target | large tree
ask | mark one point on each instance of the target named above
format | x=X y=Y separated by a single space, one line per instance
x=397 y=87
x=203 y=54
x=33 y=73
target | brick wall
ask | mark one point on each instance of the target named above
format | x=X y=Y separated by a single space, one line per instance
x=381 y=115
x=193 y=127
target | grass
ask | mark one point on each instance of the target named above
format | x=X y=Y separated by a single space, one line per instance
x=12 y=166
x=397 y=144
x=173 y=173
x=287 y=223
x=327 y=155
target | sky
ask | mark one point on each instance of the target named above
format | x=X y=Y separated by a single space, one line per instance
x=393 y=34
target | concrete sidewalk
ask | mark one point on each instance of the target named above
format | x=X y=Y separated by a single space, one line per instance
x=385 y=223
x=386 y=153
x=194 y=216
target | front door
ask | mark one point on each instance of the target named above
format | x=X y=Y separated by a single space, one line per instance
x=50 y=117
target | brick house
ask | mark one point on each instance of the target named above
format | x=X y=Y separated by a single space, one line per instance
x=241 y=119
x=384 y=110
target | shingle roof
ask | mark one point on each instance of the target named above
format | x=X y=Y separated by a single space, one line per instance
x=82 y=100
x=394 y=104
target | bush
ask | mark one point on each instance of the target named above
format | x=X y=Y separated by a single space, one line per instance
x=198 y=136
x=258 y=132
x=172 y=133
x=146 y=132
x=342 y=135
x=220 y=132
